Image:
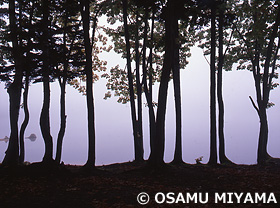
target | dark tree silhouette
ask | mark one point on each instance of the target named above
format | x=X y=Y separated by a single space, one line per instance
x=149 y=37
x=213 y=128
x=26 y=119
x=222 y=155
x=263 y=103
x=137 y=126
x=69 y=59
x=62 y=83
x=14 y=89
x=259 y=56
x=147 y=74
x=139 y=122
x=29 y=9
x=177 y=91
x=216 y=10
x=157 y=154
x=85 y=11
x=68 y=10
x=46 y=68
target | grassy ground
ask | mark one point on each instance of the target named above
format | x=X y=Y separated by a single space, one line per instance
x=118 y=185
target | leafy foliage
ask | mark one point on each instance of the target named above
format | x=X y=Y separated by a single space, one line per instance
x=155 y=43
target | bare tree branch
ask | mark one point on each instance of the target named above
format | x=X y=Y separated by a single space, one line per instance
x=254 y=105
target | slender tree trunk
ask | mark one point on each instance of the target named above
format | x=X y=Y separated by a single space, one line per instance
x=62 y=83
x=177 y=93
x=14 y=90
x=139 y=151
x=148 y=90
x=130 y=81
x=213 y=131
x=222 y=154
x=26 y=88
x=62 y=120
x=89 y=84
x=45 y=113
x=152 y=116
x=26 y=119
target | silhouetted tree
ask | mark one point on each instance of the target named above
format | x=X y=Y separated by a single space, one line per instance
x=157 y=154
x=177 y=88
x=257 y=33
x=152 y=39
x=213 y=130
x=26 y=119
x=85 y=12
x=68 y=23
x=46 y=68
x=221 y=17
x=28 y=8
x=129 y=86
x=215 y=10
x=14 y=89
x=136 y=121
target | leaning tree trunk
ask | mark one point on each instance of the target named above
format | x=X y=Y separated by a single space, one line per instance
x=45 y=113
x=14 y=90
x=213 y=131
x=89 y=84
x=25 y=121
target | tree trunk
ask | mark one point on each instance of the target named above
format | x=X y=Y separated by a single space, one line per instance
x=137 y=150
x=26 y=90
x=12 y=153
x=45 y=113
x=25 y=121
x=213 y=131
x=62 y=83
x=89 y=84
x=152 y=117
x=177 y=93
x=263 y=135
x=14 y=90
x=62 y=120
x=45 y=121
x=262 y=103
x=148 y=73
x=222 y=154
x=157 y=155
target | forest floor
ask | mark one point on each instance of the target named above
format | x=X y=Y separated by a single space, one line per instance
x=118 y=185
